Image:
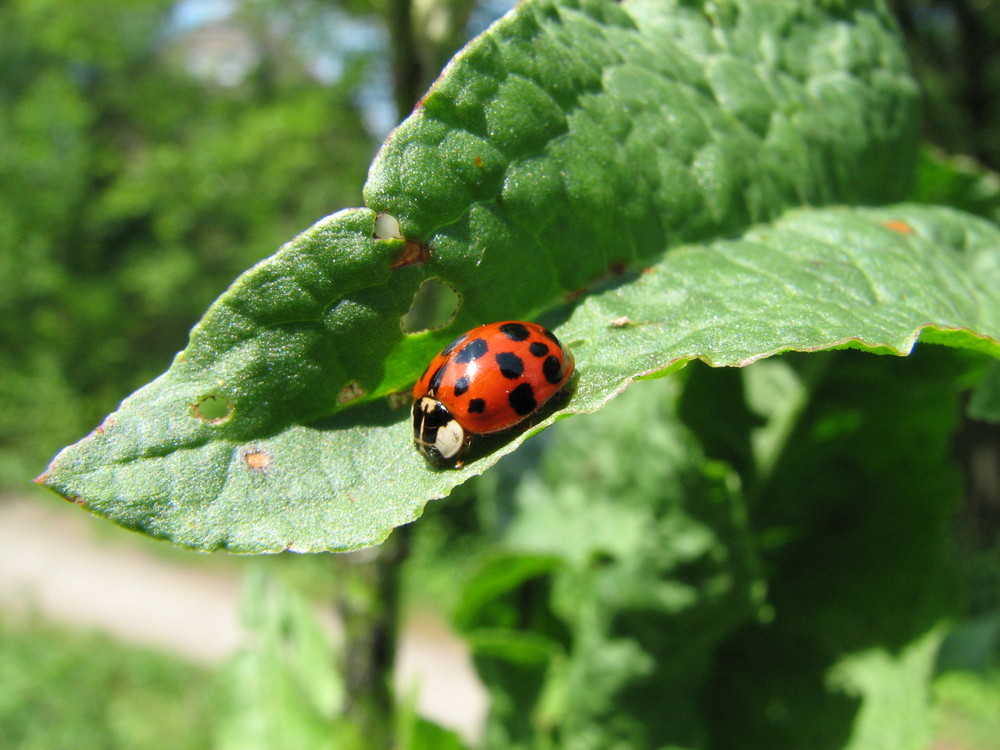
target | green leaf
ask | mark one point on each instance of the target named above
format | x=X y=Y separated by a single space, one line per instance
x=815 y=280
x=418 y=733
x=853 y=526
x=281 y=689
x=959 y=182
x=895 y=694
x=985 y=401
x=965 y=710
x=567 y=144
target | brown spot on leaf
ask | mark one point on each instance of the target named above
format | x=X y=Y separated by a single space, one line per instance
x=399 y=400
x=898 y=225
x=413 y=254
x=618 y=267
x=350 y=392
x=626 y=322
x=256 y=459
x=576 y=294
x=478 y=161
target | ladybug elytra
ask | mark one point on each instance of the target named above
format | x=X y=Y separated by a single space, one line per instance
x=487 y=380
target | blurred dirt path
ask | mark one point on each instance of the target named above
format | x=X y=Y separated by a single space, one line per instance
x=78 y=571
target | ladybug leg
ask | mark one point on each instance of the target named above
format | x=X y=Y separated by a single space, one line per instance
x=466 y=444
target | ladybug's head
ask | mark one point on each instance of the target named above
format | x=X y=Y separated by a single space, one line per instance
x=437 y=434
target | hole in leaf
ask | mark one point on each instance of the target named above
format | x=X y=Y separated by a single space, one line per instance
x=387 y=227
x=434 y=306
x=212 y=408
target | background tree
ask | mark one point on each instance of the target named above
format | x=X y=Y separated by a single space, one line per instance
x=136 y=184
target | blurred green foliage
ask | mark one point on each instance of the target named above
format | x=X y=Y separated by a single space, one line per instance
x=612 y=621
x=770 y=571
x=967 y=710
x=66 y=690
x=283 y=689
x=133 y=187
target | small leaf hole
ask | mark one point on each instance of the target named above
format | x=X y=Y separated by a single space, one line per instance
x=213 y=408
x=434 y=306
x=387 y=228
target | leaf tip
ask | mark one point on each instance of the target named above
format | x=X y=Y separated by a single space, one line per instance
x=45 y=479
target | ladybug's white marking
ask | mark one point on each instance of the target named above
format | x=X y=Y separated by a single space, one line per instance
x=450 y=438
x=435 y=431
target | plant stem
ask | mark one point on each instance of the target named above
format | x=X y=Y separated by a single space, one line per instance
x=368 y=605
x=407 y=68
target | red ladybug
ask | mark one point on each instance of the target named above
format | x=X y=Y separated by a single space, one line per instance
x=485 y=381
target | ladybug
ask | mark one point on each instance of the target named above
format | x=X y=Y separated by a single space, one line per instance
x=485 y=381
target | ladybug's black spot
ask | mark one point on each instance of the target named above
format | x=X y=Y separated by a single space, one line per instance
x=552 y=369
x=538 y=348
x=451 y=347
x=514 y=331
x=522 y=399
x=552 y=336
x=472 y=351
x=511 y=366
x=461 y=385
x=435 y=381
x=477 y=406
